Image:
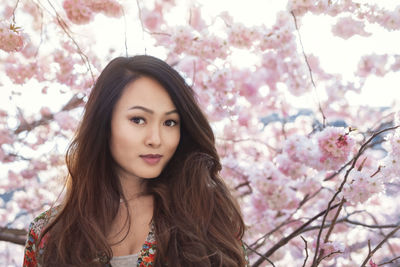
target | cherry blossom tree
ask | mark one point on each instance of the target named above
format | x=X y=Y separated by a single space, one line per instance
x=318 y=185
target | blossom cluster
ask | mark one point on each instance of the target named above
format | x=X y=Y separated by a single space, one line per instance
x=65 y=120
x=19 y=72
x=11 y=37
x=346 y=27
x=361 y=186
x=331 y=248
x=83 y=12
x=327 y=150
x=365 y=12
x=391 y=163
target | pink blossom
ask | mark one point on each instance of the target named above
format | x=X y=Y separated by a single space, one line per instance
x=272 y=69
x=31 y=198
x=29 y=50
x=65 y=74
x=211 y=47
x=309 y=185
x=391 y=163
x=196 y=20
x=28 y=173
x=390 y=168
x=297 y=80
x=297 y=84
x=65 y=120
x=390 y=19
x=20 y=72
x=372 y=263
x=182 y=38
x=244 y=118
x=372 y=64
x=3 y=114
x=298 y=6
x=78 y=11
x=290 y=168
x=33 y=9
x=11 y=39
x=226 y=17
x=361 y=187
x=109 y=8
x=392 y=144
x=300 y=149
x=396 y=65
x=335 y=146
x=241 y=36
x=56 y=160
x=7 y=11
x=220 y=79
x=23 y=199
x=151 y=19
x=2 y=154
x=38 y=165
x=275 y=38
x=278 y=197
x=346 y=27
x=14 y=181
x=5 y=137
x=332 y=248
x=273 y=186
x=45 y=111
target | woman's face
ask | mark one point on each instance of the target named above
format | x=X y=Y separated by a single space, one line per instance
x=145 y=129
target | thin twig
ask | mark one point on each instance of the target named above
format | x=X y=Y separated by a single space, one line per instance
x=295 y=233
x=259 y=254
x=125 y=30
x=305 y=243
x=309 y=69
x=371 y=226
x=330 y=254
x=41 y=29
x=371 y=253
x=391 y=261
x=334 y=220
x=287 y=221
x=13 y=12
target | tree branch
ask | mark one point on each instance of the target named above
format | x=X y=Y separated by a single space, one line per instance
x=73 y=103
x=285 y=240
x=354 y=161
x=371 y=253
x=16 y=236
x=305 y=248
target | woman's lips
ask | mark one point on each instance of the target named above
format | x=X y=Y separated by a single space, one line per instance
x=151 y=159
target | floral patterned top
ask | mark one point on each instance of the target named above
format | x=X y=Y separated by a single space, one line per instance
x=145 y=258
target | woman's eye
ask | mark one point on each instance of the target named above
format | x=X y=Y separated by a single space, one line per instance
x=171 y=123
x=137 y=120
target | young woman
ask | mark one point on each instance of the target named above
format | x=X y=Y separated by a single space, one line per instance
x=143 y=186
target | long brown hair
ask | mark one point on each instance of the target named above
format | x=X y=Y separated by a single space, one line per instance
x=196 y=220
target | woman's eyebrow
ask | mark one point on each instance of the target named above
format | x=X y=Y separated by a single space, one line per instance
x=150 y=111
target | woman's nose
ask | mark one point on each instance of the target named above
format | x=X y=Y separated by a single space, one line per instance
x=153 y=137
